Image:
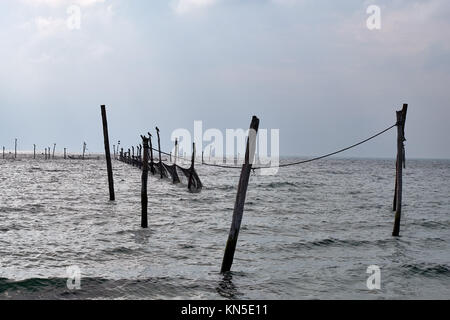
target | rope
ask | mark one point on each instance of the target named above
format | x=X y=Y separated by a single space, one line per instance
x=297 y=162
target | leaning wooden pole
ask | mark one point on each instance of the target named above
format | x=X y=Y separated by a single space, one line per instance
x=144 y=197
x=108 y=154
x=240 y=197
x=159 y=151
x=401 y=118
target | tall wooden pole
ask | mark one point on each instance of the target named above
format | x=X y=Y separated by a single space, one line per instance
x=15 y=148
x=84 y=148
x=65 y=153
x=394 y=206
x=240 y=197
x=34 y=151
x=144 y=197
x=108 y=154
x=159 y=151
x=401 y=118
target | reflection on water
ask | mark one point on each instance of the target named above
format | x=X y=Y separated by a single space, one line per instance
x=226 y=287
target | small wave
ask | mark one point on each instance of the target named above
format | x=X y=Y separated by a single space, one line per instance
x=427 y=269
x=330 y=242
x=275 y=185
x=432 y=224
x=119 y=250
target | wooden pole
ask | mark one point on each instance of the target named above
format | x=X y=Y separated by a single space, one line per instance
x=15 y=148
x=84 y=148
x=108 y=154
x=34 y=151
x=176 y=151
x=152 y=169
x=401 y=118
x=54 y=147
x=394 y=206
x=3 y=152
x=159 y=151
x=114 y=151
x=191 y=169
x=144 y=197
x=240 y=197
x=65 y=153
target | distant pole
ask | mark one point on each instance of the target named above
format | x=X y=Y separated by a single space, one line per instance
x=202 y=157
x=45 y=154
x=401 y=118
x=191 y=169
x=54 y=147
x=152 y=169
x=108 y=154
x=240 y=197
x=114 y=149
x=144 y=196
x=159 y=151
x=15 y=148
x=84 y=149
x=3 y=152
x=176 y=151
x=48 y=153
x=34 y=151
x=65 y=153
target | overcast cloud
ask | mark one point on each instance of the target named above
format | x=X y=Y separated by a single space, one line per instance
x=310 y=68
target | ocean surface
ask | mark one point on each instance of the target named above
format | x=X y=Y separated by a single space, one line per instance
x=308 y=232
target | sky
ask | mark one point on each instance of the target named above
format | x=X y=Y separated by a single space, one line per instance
x=310 y=68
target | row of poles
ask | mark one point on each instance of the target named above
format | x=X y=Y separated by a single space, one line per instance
x=137 y=160
x=48 y=154
x=239 y=204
